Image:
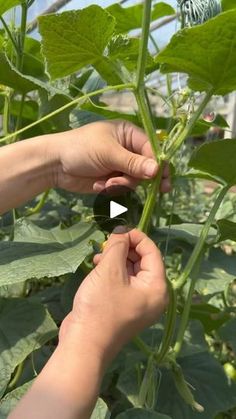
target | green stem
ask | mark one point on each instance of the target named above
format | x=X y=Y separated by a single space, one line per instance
x=142 y=346
x=40 y=204
x=189 y=127
x=143 y=51
x=201 y=241
x=146 y=119
x=149 y=206
x=10 y=36
x=169 y=325
x=68 y=105
x=20 y=55
x=5 y=121
x=187 y=307
x=17 y=376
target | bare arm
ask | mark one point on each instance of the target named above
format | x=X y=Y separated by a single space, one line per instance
x=87 y=159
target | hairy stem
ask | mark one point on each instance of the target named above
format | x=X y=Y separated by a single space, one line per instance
x=74 y=102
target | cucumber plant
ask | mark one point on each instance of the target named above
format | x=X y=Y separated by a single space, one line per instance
x=174 y=369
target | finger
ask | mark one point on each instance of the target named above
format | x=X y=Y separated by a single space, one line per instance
x=151 y=259
x=116 y=249
x=135 y=140
x=132 y=164
x=124 y=180
x=97 y=258
x=165 y=185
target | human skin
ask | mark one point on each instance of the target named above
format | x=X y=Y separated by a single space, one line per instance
x=87 y=159
x=123 y=294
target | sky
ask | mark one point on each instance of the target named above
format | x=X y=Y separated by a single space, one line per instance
x=162 y=35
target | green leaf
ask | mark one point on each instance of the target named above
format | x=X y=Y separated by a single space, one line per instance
x=228 y=333
x=75 y=39
x=206 y=376
x=227 y=230
x=8 y=4
x=100 y=411
x=210 y=316
x=24 y=327
x=217 y=271
x=207 y=53
x=128 y=18
x=228 y=4
x=10 y=400
x=183 y=232
x=211 y=159
x=38 y=253
x=141 y=414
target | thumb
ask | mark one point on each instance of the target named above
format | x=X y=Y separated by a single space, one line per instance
x=117 y=248
x=134 y=165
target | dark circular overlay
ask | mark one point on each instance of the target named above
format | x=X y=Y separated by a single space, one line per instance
x=118 y=200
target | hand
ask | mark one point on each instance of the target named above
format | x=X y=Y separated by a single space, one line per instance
x=104 y=154
x=125 y=293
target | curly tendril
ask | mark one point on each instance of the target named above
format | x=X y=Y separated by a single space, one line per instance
x=195 y=12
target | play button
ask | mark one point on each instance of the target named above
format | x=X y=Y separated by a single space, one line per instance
x=115 y=206
x=116 y=209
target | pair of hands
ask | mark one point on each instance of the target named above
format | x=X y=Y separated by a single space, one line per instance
x=126 y=291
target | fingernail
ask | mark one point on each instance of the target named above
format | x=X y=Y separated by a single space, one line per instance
x=120 y=230
x=150 y=168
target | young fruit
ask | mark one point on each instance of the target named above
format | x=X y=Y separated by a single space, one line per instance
x=230 y=371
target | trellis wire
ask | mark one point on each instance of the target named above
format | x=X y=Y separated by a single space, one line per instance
x=195 y=12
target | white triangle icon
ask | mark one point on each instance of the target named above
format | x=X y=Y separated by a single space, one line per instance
x=116 y=209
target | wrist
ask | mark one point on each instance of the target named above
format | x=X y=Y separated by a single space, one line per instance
x=74 y=334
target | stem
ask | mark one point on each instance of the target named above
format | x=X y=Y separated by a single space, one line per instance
x=20 y=52
x=10 y=36
x=17 y=376
x=40 y=204
x=142 y=58
x=19 y=117
x=169 y=325
x=201 y=241
x=146 y=118
x=187 y=307
x=68 y=105
x=189 y=127
x=5 y=121
x=149 y=206
x=142 y=346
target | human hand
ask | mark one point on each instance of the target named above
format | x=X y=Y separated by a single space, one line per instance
x=104 y=154
x=125 y=293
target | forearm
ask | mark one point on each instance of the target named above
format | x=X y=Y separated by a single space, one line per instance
x=67 y=387
x=27 y=169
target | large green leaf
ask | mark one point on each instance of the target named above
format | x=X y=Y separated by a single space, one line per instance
x=207 y=378
x=207 y=53
x=228 y=333
x=227 y=230
x=11 y=399
x=217 y=271
x=141 y=414
x=128 y=18
x=8 y=4
x=216 y=159
x=38 y=253
x=210 y=316
x=100 y=411
x=75 y=39
x=24 y=327
x=228 y=4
